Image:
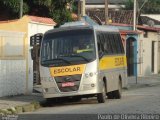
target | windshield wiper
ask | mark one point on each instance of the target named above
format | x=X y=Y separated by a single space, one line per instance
x=74 y=55
x=50 y=60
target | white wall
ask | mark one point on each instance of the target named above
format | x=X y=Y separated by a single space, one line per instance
x=158 y=53
x=34 y=28
x=153 y=16
x=12 y=64
x=145 y=66
x=12 y=77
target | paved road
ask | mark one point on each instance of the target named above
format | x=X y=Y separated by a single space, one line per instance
x=144 y=100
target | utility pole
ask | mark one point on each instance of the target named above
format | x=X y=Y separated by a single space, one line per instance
x=106 y=12
x=81 y=8
x=134 y=28
x=135 y=16
x=21 y=8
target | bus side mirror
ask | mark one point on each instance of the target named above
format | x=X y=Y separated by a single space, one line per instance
x=33 y=55
x=38 y=52
x=101 y=54
x=36 y=39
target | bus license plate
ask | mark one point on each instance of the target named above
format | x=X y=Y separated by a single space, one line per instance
x=68 y=84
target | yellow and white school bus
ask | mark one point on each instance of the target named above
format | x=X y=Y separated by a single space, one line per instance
x=83 y=61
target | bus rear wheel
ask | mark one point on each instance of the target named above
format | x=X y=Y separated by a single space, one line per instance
x=110 y=95
x=101 y=97
x=118 y=93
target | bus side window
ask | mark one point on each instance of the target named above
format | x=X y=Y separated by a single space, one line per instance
x=107 y=45
x=100 y=45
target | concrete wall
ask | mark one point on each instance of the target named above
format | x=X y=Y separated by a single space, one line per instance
x=34 y=28
x=12 y=63
x=159 y=52
x=145 y=54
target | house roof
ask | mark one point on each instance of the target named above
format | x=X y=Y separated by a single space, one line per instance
x=147 y=28
x=146 y=20
x=125 y=32
x=121 y=16
x=34 y=19
x=42 y=20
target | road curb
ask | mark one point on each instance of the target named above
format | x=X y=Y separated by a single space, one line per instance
x=32 y=106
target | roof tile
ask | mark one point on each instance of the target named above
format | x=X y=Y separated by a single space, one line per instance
x=42 y=20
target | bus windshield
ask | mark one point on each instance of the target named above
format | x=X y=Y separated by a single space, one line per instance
x=68 y=48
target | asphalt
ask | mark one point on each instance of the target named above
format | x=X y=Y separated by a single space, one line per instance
x=29 y=103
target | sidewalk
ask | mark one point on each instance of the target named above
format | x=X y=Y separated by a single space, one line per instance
x=20 y=104
x=139 y=82
x=23 y=103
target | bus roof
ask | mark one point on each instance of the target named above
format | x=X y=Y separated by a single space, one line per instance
x=96 y=28
x=106 y=28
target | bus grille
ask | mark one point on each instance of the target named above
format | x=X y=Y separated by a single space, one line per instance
x=65 y=79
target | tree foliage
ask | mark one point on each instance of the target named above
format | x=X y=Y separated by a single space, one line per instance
x=56 y=9
x=129 y=5
x=150 y=7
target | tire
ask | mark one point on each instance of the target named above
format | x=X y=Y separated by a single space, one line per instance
x=118 y=93
x=50 y=100
x=101 y=97
x=76 y=99
x=110 y=95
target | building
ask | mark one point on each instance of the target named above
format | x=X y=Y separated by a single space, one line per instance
x=16 y=65
x=148 y=51
x=142 y=49
x=130 y=42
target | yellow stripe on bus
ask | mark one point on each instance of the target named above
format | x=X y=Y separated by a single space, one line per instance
x=67 y=70
x=110 y=62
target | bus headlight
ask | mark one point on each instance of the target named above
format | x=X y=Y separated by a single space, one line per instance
x=91 y=74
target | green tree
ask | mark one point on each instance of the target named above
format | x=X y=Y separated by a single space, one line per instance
x=150 y=7
x=13 y=6
x=129 y=5
x=56 y=9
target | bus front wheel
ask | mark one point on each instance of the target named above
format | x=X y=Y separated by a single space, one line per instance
x=101 y=97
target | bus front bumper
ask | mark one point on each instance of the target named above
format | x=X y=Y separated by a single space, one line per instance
x=87 y=90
